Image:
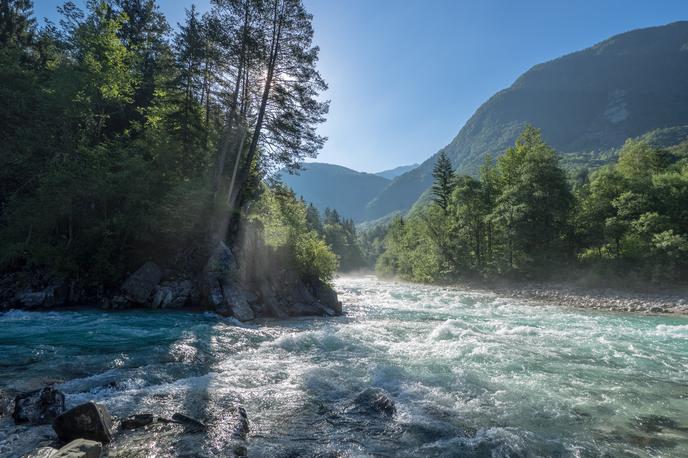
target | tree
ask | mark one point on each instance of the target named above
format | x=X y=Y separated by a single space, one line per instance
x=17 y=26
x=288 y=111
x=444 y=181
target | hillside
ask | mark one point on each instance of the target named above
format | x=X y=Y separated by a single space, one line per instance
x=334 y=186
x=396 y=171
x=586 y=103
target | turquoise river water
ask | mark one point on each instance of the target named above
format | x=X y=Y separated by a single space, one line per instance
x=471 y=373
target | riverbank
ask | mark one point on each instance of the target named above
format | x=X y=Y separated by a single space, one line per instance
x=673 y=301
x=634 y=299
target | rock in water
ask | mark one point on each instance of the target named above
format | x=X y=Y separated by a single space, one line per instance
x=43 y=452
x=188 y=421
x=138 y=421
x=241 y=427
x=327 y=296
x=79 y=448
x=88 y=421
x=377 y=400
x=38 y=407
x=237 y=304
x=139 y=285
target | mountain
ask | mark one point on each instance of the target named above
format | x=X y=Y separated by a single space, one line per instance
x=334 y=186
x=395 y=172
x=586 y=103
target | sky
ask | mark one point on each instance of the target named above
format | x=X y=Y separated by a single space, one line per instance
x=405 y=75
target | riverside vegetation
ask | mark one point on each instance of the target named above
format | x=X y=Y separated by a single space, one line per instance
x=522 y=218
x=126 y=142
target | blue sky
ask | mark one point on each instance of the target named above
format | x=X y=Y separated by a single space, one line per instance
x=405 y=75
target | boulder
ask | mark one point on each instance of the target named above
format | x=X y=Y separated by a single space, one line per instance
x=43 y=452
x=222 y=265
x=188 y=421
x=162 y=296
x=80 y=448
x=139 y=285
x=327 y=296
x=236 y=302
x=241 y=428
x=38 y=407
x=6 y=403
x=181 y=294
x=51 y=296
x=88 y=421
x=376 y=400
x=138 y=420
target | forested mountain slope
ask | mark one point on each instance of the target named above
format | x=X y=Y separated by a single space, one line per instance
x=586 y=103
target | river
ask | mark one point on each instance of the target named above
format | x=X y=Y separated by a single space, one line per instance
x=471 y=374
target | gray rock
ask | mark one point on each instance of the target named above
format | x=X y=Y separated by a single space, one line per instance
x=188 y=421
x=376 y=400
x=162 y=296
x=236 y=302
x=80 y=448
x=241 y=427
x=38 y=407
x=139 y=285
x=43 y=452
x=119 y=303
x=181 y=294
x=137 y=421
x=88 y=421
x=222 y=265
x=327 y=296
x=53 y=295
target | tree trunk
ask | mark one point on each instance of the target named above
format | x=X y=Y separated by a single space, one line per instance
x=272 y=62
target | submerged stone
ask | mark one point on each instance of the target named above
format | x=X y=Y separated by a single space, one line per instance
x=137 y=421
x=188 y=421
x=376 y=400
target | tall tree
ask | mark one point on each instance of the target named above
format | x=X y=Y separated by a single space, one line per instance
x=444 y=181
x=289 y=110
x=17 y=25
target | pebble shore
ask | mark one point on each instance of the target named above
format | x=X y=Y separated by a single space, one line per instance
x=670 y=302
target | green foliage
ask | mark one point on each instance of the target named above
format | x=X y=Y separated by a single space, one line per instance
x=113 y=130
x=521 y=219
x=443 y=185
x=286 y=225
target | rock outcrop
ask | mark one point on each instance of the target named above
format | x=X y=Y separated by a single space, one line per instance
x=38 y=407
x=88 y=421
x=138 y=286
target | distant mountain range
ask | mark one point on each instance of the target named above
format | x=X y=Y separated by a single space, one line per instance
x=395 y=172
x=587 y=103
x=334 y=186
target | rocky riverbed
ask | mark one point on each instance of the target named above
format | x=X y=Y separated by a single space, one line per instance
x=671 y=301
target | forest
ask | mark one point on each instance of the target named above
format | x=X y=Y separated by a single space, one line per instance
x=525 y=217
x=127 y=139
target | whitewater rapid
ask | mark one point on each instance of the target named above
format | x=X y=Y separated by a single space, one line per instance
x=471 y=374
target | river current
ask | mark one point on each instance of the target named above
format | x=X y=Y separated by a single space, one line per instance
x=471 y=374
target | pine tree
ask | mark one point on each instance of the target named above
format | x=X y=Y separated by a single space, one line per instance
x=444 y=181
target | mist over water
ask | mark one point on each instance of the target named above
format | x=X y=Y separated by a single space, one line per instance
x=472 y=374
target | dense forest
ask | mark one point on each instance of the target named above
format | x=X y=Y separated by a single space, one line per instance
x=524 y=218
x=126 y=139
